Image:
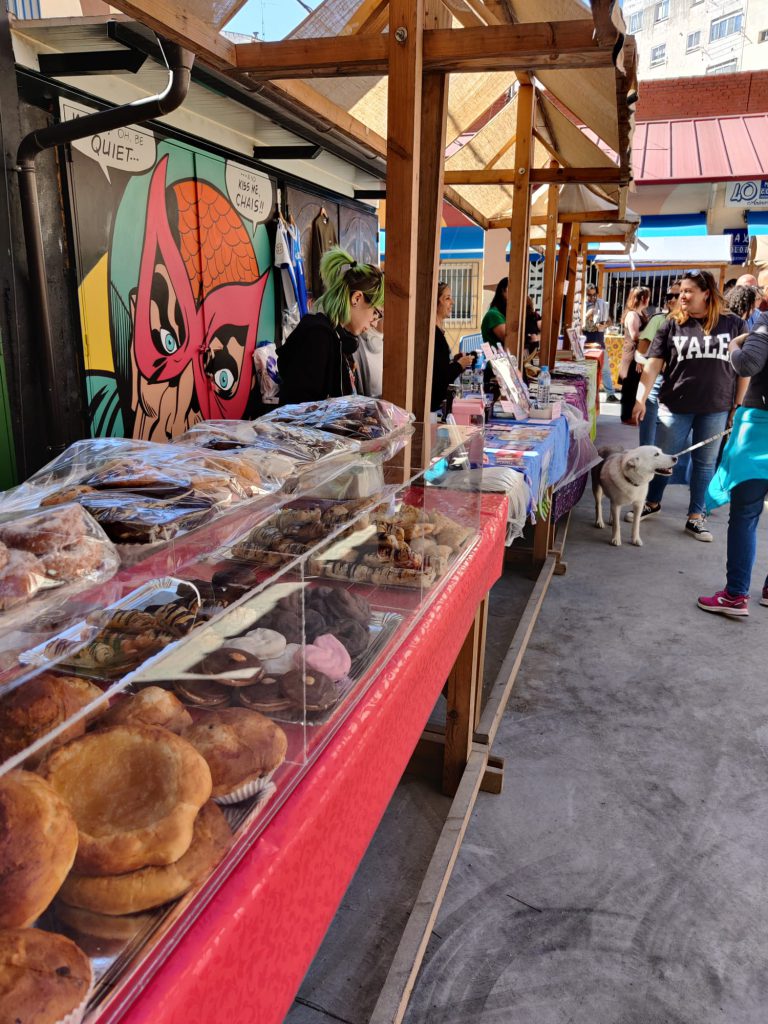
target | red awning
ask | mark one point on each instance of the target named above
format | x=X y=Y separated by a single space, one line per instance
x=707 y=148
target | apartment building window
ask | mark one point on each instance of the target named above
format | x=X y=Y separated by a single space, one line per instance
x=762 y=36
x=658 y=54
x=635 y=23
x=727 y=26
x=693 y=42
x=662 y=11
x=723 y=69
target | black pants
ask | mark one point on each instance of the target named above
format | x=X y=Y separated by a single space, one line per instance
x=629 y=391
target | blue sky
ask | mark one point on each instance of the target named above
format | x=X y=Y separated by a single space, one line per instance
x=272 y=19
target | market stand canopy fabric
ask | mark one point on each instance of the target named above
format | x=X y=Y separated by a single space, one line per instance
x=583 y=63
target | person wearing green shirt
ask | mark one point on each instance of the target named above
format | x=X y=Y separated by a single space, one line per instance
x=648 y=333
x=494 y=323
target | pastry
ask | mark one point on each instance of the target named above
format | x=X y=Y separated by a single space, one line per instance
x=100 y=935
x=135 y=791
x=66 y=495
x=203 y=694
x=74 y=561
x=44 y=978
x=44 y=531
x=151 y=706
x=242 y=748
x=311 y=691
x=152 y=886
x=222 y=663
x=38 y=842
x=3 y=556
x=265 y=643
x=353 y=636
x=284 y=663
x=39 y=705
x=327 y=656
x=343 y=604
x=265 y=696
x=21 y=579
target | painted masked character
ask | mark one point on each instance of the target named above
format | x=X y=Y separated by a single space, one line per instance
x=195 y=311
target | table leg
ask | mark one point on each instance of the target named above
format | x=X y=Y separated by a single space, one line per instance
x=460 y=716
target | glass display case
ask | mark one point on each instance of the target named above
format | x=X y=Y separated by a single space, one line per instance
x=172 y=713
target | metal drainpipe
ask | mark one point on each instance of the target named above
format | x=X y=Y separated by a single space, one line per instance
x=179 y=63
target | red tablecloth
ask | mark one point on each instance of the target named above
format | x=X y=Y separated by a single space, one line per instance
x=244 y=958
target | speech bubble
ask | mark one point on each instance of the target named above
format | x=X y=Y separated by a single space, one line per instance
x=251 y=193
x=125 y=149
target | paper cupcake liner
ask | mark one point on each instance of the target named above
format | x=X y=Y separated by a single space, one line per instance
x=75 y=1016
x=245 y=791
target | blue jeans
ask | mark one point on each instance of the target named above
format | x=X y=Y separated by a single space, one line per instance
x=648 y=424
x=672 y=431
x=607 y=379
x=746 y=505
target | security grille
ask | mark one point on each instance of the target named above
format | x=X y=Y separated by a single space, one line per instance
x=24 y=8
x=463 y=280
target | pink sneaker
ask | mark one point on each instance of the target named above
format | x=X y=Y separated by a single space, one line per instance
x=764 y=598
x=723 y=603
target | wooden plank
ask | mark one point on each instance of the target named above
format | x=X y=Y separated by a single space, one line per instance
x=562 y=44
x=329 y=57
x=580 y=175
x=460 y=715
x=587 y=217
x=566 y=44
x=457 y=200
x=365 y=17
x=173 y=22
x=586 y=239
x=493 y=780
x=517 y=289
x=550 y=259
x=483 y=611
x=510 y=666
x=563 y=256
x=393 y=999
x=570 y=295
x=403 y=158
x=434 y=119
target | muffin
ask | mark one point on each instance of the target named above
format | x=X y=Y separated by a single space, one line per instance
x=38 y=843
x=44 y=978
x=242 y=748
x=152 y=886
x=134 y=791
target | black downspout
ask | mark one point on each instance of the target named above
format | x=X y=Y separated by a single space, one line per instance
x=179 y=63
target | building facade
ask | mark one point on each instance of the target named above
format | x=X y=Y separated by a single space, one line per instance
x=679 y=38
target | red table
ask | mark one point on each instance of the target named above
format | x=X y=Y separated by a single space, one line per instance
x=244 y=958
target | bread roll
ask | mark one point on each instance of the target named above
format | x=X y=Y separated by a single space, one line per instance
x=38 y=842
x=153 y=886
x=239 y=745
x=44 y=978
x=153 y=706
x=135 y=791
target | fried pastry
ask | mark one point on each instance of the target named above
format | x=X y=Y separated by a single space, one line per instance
x=44 y=978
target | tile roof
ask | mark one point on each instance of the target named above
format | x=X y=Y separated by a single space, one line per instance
x=709 y=148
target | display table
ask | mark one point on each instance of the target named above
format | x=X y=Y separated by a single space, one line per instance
x=243 y=959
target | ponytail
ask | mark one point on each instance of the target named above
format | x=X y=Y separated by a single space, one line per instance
x=342 y=276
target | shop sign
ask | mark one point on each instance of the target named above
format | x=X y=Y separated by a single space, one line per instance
x=739 y=244
x=753 y=194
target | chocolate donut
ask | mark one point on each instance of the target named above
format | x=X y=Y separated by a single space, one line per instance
x=264 y=696
x=353 y=635
x=231 y=659
x=319 y=693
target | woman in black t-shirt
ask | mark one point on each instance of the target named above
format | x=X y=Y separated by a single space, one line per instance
x=698 y=389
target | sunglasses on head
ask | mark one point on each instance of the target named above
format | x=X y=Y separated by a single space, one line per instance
x=693 y=274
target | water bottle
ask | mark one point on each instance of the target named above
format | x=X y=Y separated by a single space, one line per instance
x=545 y=382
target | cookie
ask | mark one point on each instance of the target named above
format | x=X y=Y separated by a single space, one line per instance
x=314 y=691
x=353 y=636
x=226 y=660
x=203 y=694
x=326 y=656
x=265 y=696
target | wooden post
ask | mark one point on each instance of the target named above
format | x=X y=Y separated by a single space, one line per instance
x=570 y=297
x=434 y=117
x=557 y=312
x=406 y=32
x=548 y=315
x=520 y=229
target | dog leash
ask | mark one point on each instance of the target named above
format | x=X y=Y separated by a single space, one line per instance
x=701 y=444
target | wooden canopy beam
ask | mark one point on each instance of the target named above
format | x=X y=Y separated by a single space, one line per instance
x=567 y=45
x=570 y=295
x=182 y=27
x=539 y=176
x=517 y=287
x=563 y=259
x=587 y=217
x=371 y=16
x=548 y=316
x=586 y=239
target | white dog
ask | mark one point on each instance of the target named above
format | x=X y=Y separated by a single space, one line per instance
x=624 y=476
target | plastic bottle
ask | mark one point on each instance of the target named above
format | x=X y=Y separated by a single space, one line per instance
x=544 y=382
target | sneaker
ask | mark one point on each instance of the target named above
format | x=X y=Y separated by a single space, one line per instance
x=723 y=603
x=764 y=597
x=698 y=529
x=648 y=510
x=612 y=398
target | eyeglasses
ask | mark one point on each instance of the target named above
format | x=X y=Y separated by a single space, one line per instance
x=377 y=313
x=672 y=295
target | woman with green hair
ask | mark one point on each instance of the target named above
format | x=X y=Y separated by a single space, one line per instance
x=317 y=360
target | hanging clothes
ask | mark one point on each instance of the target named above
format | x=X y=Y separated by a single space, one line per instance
x=289 y=262
x=324 y=237
x=298 y=266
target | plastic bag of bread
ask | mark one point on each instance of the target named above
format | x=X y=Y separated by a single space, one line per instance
x=58 y=549
x=371 y=421
x=298 y=444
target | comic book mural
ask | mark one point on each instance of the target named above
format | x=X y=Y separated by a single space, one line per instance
x=175 y=282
